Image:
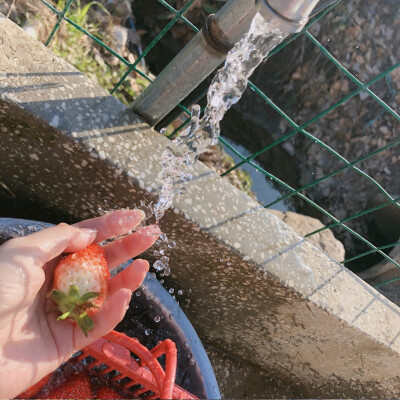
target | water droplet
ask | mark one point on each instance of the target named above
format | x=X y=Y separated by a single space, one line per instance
x=171 y=290
x=158 y=265
x=137 y=294
x=147 y=332
x=162 y=281
x=126 y=357
x=164 y=260
x=191 y=360
x=189 y=291
x=229 y=263
x=181 y=190
x=156 y=253
x=172 y=245
x=157 y=319
x=108 y=349
x=171 y=316
x=167 y=271
x=186 y=345
x=164 y=237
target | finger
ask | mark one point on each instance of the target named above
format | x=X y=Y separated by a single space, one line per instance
x=43 y=246
x=130 y=278
x=113 y=224
x=105 y=320
x=130 y=246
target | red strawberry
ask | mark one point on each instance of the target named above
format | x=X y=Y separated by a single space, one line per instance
x=76 y=387
x=78 y=278
x=106 y=392
x=34 y=389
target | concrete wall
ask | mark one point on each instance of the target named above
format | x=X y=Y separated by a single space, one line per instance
x=260 y=292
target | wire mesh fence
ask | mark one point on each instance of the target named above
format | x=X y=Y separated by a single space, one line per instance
x=344 y=164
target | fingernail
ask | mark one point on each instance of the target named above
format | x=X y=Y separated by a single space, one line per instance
x=143 y=263
x=151 y=230
x=92 y=233
x=126 y=219
x=127 y=302
x=141 y=212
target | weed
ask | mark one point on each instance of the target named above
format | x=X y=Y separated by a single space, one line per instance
x=89 y=57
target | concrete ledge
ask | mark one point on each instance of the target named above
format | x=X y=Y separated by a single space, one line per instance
x=242 y=380
x=260 y=292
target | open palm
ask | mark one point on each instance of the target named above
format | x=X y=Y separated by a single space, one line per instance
x=32 y=342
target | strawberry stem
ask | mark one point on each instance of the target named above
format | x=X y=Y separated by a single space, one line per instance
x=74 y=306
x=66 y=314
x=84 y=322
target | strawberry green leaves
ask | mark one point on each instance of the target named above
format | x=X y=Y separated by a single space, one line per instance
x=75 y=306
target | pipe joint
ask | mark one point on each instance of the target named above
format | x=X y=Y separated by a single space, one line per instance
x=214 y=36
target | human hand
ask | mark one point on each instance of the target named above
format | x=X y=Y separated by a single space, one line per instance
x=32 y=342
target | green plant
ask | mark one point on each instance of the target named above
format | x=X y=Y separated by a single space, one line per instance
x=80 y=51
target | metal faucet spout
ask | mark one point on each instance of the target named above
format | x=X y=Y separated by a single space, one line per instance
x=286 y=15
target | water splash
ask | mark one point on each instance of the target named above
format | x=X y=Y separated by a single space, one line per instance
x=225 y=90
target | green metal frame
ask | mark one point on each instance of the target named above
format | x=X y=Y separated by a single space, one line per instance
x=297 y=129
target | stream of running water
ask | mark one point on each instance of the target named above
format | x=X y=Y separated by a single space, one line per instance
x=225 y=90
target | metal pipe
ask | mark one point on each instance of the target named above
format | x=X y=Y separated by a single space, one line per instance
x=286 y=15
x=201 y=56
x=208 y=49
